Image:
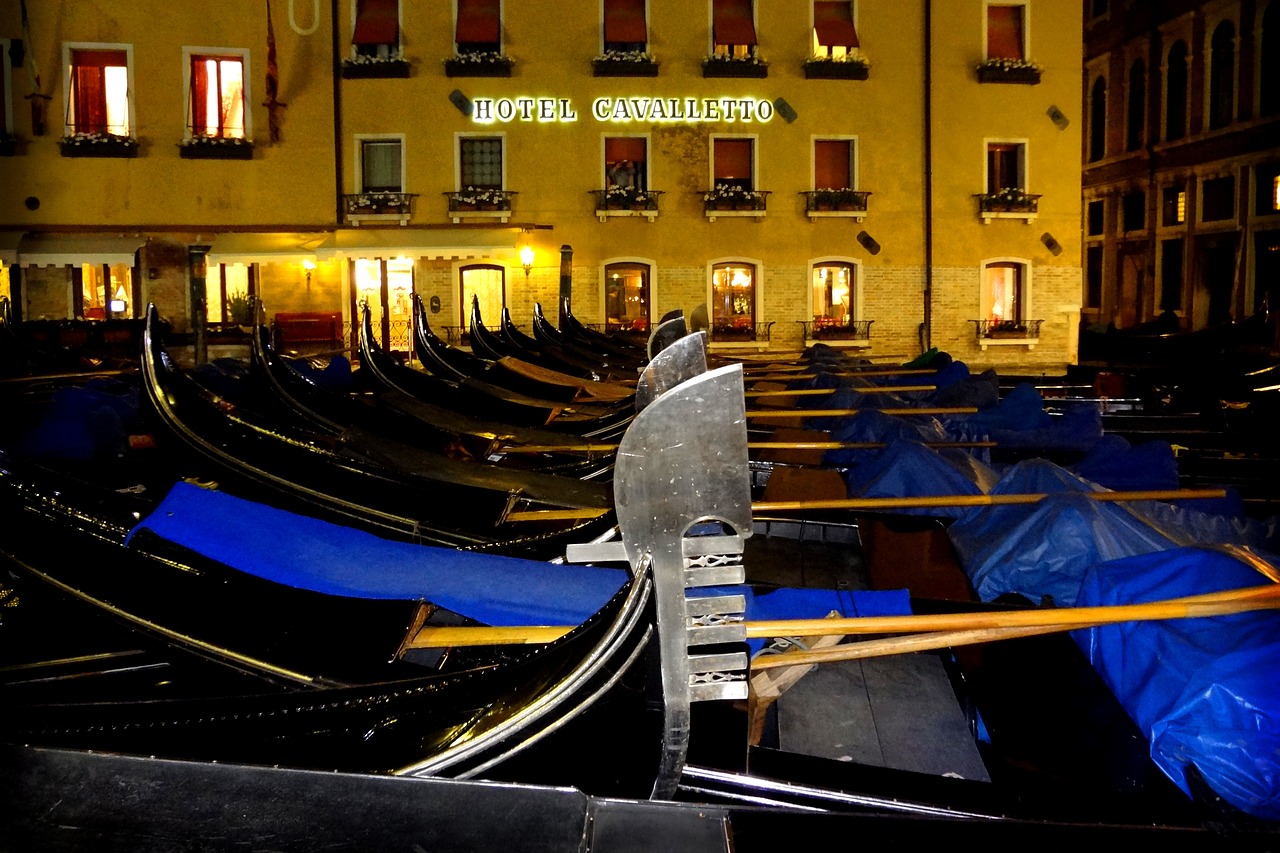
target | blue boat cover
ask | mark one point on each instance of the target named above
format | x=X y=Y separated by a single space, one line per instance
x=1205 y=691
x=312 y=554
x=910 y=469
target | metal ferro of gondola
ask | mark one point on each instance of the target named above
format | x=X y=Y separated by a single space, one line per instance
x=681 y=470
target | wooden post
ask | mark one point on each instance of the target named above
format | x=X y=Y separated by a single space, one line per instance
x=566 y=281
x=199 y=304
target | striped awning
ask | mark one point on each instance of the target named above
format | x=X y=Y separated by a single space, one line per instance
x=57 y=250
x=432 y=244
x=833 y=23
x=264 y=247
x=732 y=22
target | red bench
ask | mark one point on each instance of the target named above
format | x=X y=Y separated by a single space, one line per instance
x=312 y=329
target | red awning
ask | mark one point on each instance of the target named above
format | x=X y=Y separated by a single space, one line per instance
x=733 y=159
x=732 y=22
x=624 y=21
x=100 y=59
x=377 y=22
x=618 y=148
x=833 y=22
x=1004 y=32
x=479 y=21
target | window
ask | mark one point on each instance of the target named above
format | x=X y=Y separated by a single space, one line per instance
x=1133 y=210
x=1136 y=121
x=1266 y=189
x=1004 y=286
x=105 y=291
x=1171 y=275
x=479 y=26
x=1096 y=213
x=487 y=283
x=377 y=29
x=480 y=162
x=98 y=90
x=625 y=28
x=381 y=166
x=1093 y=276
x=833 y=293
x=733 y=163
x=1006 y=31
x=626 y=162
x=733 y=300
x=1222 y=69
x=834 y=32
x=834 y=164
x=1269 y=62
x=626 y=296
x=1218 y=199
x=1006 y=166
x=228 y=289
x=386 y=285
x=216 y=94
x=1098 y=120
x=1175 y=98
x=1173 y=206
x=733 y=28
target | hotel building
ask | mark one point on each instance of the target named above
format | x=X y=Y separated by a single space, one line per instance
x=884 y=177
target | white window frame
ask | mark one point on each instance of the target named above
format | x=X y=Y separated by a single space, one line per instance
x=814 y=45
x=68 y=47
x=648 y=151
x=1026 y=25
x=856 y=307
x=1024 y=160
x=759 y=300
x=653 y=283
x=357 y=171
x=854 y=160
x=457 y=154
x=984 y=302
x=239 y=52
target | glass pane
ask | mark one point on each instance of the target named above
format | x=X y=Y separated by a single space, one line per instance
x=368 y=282
x=380 y=164
x=626 y=296
x=232 y=100
x=486 y=284
x=733 y=298
x=482 y=163
x=117 y=89
x=399 y=301
x=833 y=293
x=93 y=292
x=1003 y=293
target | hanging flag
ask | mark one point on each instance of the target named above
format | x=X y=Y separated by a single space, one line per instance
x=273 y=102
x=35 y=96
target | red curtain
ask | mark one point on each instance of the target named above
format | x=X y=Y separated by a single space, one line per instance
x=833 y=21
x=478 y=21
x=377 y=22
x=88 y=84
x=199 y=94
x=1004 y=32
x=624 y=148
x=831 y=165
x=733 y=159
x=732 y=22
x=624 y=21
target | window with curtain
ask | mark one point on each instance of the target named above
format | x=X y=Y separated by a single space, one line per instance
x=1222 y=69
x=1098 y=120
x=626 y=162
x=733 y=299
x=834 y=33
x=381 y=166
x=626 y=296
x=733 y=163
x=98 y=100
x=1006 y=31
x=479 y=26
x=733 y=28
x=833 y=164
x=625 y=28
x=481 y=162
x=377 y=28
x=833 y=293
x=1175 y=101
x=1006 y=166
x=217 y=96
x=1003 y=296
x=1135 y=128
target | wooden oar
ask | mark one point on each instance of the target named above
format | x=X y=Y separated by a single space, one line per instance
x=924 y=630
x=825 y=413
x=928 y=501
x=812 y=392
x=853 y=374
x=751 y=445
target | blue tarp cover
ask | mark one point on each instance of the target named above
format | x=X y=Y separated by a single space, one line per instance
x=1205 y=691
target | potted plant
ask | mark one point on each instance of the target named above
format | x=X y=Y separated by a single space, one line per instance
x=478 y=64
x=727 y=65
x=728 y=197
x=1008 y=200
x=377 y=202
x=209 y=147
x=853 y=65
x=1004 y=70
x=368 y=66
x=479 y=198
x=624 y=63
x=98 y=144
x=850 y=199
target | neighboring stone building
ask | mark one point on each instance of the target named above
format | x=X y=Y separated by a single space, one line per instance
x=905 y=190
x=1181 y=160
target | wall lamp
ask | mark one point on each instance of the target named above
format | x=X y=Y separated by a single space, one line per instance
x=526 y=260
x=309 y=265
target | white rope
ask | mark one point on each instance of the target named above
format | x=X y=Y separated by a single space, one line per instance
x=315 y=18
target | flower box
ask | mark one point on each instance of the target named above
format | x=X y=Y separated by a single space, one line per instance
x=1009 y=71
x=831 y=69
x=627 y=64
x=98 y=145
x=215 y=148
x=369 y=68
x=478 y=65
x=721 y=66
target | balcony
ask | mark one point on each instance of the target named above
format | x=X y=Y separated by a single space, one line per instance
x=1007 y=333
x=731 y=201
x=624 y=63
x=1018 y=71
x=740 y=333
x=626 y=201
x=378 y=206
x=484 y=64
x=98 y=145
x=375 y=67
x=833 y=330
x=206 y=147
x=1008 y=203
x=734 y=66
x=474 y=203
x=839 y=203
x=852 y=67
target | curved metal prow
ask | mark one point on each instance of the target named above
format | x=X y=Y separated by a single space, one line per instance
x=666 y=333
x=683 y=359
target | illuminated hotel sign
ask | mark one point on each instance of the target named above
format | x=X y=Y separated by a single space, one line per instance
x=687 y=110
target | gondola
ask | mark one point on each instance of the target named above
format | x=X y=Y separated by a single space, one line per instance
x=379 y=484
x=619 y=364
x=573 y=328
x=499 y=343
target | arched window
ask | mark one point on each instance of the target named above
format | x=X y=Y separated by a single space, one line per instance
x=626 y=297
x=1004 y=291
x=834 y=293
x=1269 y=62
x=1222 y=65
x=1098 y=120
x=488 y=284
x=733 y=301
x=1175 y=97
x=1135 y=128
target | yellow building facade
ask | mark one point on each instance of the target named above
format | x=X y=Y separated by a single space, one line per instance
x=879 y=177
